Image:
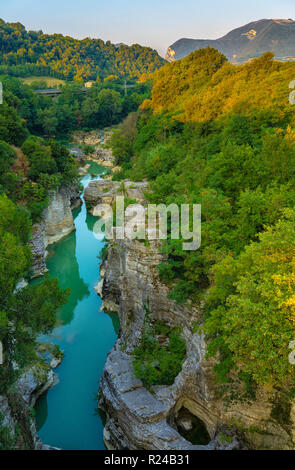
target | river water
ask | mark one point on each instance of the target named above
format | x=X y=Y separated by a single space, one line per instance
x=67 y=416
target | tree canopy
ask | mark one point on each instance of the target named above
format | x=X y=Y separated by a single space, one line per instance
x=223 y=136
x=24 y=53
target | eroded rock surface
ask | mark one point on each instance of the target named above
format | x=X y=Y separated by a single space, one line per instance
x=103 y=156
x=56 y=223
x=139 y=419
x=105 y=192
x=16 y=405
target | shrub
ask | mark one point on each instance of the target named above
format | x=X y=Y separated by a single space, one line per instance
x=157 y=364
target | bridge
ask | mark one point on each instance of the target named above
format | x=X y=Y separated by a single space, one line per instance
x=53 y=92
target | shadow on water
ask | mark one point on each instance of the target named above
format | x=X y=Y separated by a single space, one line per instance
x=116 y=322
x=69 y=275
x=191 y=427
x=66 y=415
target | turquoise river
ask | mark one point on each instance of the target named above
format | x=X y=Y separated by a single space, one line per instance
x=67 y=415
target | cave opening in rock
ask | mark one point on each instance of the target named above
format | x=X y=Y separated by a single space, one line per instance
x=191 y=427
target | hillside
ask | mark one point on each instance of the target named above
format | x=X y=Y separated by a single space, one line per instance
x=205 y=86
x=246 y=42
x=222 y=136
x=24 y=53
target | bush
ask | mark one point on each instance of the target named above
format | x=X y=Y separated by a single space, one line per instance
x=7 y=156
x=157 y=364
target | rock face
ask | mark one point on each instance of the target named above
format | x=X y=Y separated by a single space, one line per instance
x=101 y=155
x=139 y=419
x=83 y=170
x=57 y=222
x=241 y=44
x=32 y=384
x=105 y=192
x=15 y=407
x=38 y=249
x=58 y=216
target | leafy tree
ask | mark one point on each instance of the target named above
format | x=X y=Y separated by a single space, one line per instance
x=32 y=311
x=40 y=158
x=26 y=53
x=12 y=129
x=122 y=139
x=66 y=165
x=251 y=307
x=29 y=312
x=7 y=156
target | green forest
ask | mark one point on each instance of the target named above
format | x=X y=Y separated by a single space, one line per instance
x=24 y=53
x=223 y=136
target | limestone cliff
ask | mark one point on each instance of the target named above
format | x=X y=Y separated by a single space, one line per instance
x=56 y=222
x=105 y=192
x=140 y=419
x=16 y=404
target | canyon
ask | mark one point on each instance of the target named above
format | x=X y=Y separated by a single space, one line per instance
x=161 y=417
x=138 y=418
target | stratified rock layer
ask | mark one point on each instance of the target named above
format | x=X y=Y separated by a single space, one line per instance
x=56 y=223
x=16 y=405
x=139 y=419
x=105 y=192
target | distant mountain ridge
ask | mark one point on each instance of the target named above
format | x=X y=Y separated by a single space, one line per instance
x=246 y=42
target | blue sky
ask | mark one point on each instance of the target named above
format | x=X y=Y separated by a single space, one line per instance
x=154 y=23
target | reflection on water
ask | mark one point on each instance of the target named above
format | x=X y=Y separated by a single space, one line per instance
x=66 y=416
x=67 y=275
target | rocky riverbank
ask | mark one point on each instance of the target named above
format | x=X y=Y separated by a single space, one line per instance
x=155 y=419
x=96 y=140
x=15 y=407
x=56 y=223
